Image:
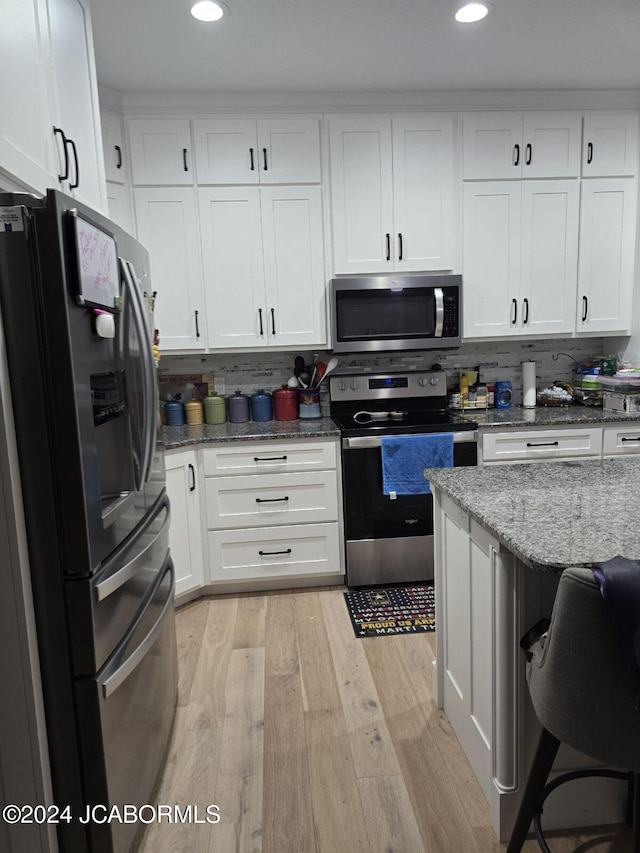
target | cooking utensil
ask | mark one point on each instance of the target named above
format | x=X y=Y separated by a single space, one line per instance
x=333 y=363
x=304 y=378
x=292 y=382
x=298 y=364
x=320 y=371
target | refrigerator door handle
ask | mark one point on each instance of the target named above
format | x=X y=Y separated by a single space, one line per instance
x=110 y=684
x=148 y=428
x=151 y=428
x=109 y=585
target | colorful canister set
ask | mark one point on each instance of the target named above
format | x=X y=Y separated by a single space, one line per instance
x=283 y=404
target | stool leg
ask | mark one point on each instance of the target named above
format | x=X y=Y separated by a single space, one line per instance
x=542 y=762
x=636 y=812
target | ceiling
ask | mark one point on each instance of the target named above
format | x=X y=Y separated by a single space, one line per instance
x=366 y=46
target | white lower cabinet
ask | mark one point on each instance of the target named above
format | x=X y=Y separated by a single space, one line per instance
x=541 y=445
x=272 y=511
x=621 y=439
x=186 y=529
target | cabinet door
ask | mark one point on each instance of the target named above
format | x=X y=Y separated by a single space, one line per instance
x=610 y=144
x=119 y=206
x=77 y=106
x=549 y=271
x=423 y=192
x=226 y=151
x=294 y=273
x=491 y=258
x=113 y=146
x=492 y=146
x=231 y=236
x=551 y=145
x=289 y=151
x=607 y=253
x=361 y=194
x=25 y=115
x=185 y=532
x=160 y=152
x=167 y=225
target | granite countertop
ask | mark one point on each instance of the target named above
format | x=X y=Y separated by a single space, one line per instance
x=542 y=416
x=183 y=436
x=553 y=515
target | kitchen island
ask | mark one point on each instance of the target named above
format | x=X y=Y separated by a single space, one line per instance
x=503 y=535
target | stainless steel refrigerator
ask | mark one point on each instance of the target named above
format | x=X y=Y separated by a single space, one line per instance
x=74 y=293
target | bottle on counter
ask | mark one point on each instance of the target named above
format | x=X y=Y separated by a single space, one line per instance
x=464 y=390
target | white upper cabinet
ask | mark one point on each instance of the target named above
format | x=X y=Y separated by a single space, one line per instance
x=113 y=146
x=26 y=115
x=167 y=226
x=264 y=266
x=607 y=252
x=119 y=206
x=610 y=144
x=392 y=193
x=48 y=46
x=76 y=100
x=500 y=146
x=520 y=258
x=246 y=151
x=160 y=152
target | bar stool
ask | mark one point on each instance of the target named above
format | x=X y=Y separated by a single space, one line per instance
x=584 y=695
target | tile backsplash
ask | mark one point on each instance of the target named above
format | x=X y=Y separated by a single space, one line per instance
x=497 y=360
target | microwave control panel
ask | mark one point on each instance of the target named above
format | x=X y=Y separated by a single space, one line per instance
x=451 y=324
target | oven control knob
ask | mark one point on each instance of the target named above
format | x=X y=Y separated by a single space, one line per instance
x=434 y=380
x=422 y=381
x=354 y=385
x=342 y=385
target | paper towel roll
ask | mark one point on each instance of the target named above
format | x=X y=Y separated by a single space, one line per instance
x=529 y=384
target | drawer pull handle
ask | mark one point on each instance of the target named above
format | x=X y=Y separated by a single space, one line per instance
x=269 y=458
x=271 y=500
x=625 y=438
x=273 y=553
x=543 y=444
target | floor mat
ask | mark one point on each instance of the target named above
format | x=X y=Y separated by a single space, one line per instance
x=383 y=612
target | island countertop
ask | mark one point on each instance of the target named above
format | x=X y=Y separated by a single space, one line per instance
x=556 y=514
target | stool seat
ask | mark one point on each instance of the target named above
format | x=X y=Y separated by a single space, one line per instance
x=584 y=695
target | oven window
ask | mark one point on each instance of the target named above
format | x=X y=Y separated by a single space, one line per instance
x=380 y=314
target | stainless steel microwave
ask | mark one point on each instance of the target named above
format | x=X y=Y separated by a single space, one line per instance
x=396 y=312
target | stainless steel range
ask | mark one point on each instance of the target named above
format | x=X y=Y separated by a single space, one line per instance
x=389 y=539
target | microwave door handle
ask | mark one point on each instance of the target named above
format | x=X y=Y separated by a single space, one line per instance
x=439 y=296
x=151 y=390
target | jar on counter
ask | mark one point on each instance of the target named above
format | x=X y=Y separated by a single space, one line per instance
x=309 y=403
x=238 y=408
x=261 y=408
x=503 y=394
x=215 y=409
x=174 y=412
x=194 y=412
x=285 y=404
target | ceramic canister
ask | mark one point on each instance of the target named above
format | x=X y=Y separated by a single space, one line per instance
x=174 y=412
x=238 y=408
x=285 y=404
x=194 y=412
x=261 y=406
x=215 y=409
x=309 y=402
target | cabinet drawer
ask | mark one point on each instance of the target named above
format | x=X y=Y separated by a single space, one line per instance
x=619 y=440
x=268 y=457
x=270 y=499
x=313 y=549
x=541 y=445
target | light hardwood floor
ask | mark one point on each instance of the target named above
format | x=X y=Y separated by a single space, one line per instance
x=312 y=741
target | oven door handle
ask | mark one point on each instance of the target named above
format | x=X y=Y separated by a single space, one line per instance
x=439 y=295
x=360 y=442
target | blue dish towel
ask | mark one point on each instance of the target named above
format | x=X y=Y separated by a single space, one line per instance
x=405 y=457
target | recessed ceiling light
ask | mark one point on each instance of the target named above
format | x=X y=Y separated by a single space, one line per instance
x=208 y=10
x=469 y=13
